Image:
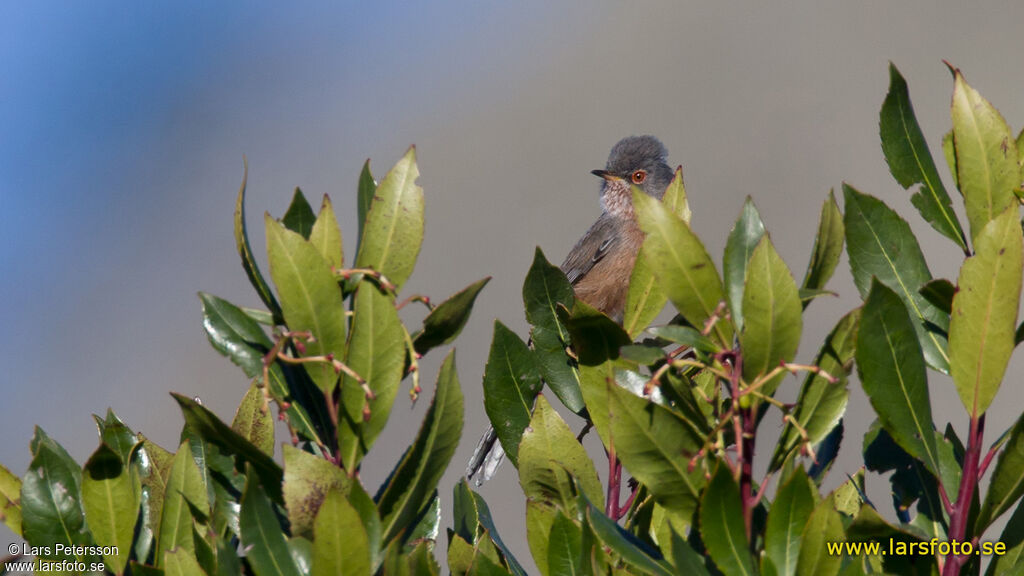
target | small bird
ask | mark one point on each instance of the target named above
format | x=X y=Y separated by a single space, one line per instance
x=600 y=264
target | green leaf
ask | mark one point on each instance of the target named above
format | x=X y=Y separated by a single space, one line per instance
x=564 y=547
x=828 y=247
x=939 y=293
x=10 y=500
x=984 y=318
x=307 y=479
x=881 y=245
x=253 y=420
x=234 y=333
x=370 y=519
x=721 y=524
x=326 y=236
x=685 y=558
x=445 y=322
x=299 y=217
x=595 y=337
x=655 y=445
x=790 y=511
x=910 y=161
x=682 y=265
x=544 y=289
x=340 y=545
x=416 y=476
x=686 y=336
x=986 y=156
x=364 y=197
x=1012 y=537
x=822 y=527
x=550 y=457
x=774 y=319
x=268 y=551
x=154 y=487
x=745 y=236
x=645 y=298
x=821 y=403
x=212 y=430
x=110 y=497
x=540 y=518
x=185 y=492
x=51 y=512
x=1007 y=483
x=252 y=269
x=466 y=560
x=949 y=151
x=473 y=522
x=393 y=231
x=116 y=435
x=511 y=382
x=310 y=298
x=181 y=562
x=632 y=552
x=376 y=351
x=892 y=372
x=644 y=355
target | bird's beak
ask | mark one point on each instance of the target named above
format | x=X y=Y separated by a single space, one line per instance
x=605 y=174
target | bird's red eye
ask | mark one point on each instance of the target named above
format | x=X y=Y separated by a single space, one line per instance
x=639 y=176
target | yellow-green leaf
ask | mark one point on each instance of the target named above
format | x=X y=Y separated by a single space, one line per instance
x=326 y=236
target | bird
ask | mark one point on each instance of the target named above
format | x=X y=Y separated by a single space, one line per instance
x=599 y=266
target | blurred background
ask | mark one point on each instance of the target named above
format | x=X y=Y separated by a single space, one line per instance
x=124 y=125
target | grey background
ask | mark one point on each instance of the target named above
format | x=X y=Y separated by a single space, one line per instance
x=123 y=129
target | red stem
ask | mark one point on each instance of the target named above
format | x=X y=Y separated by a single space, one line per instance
x=968 y=483
x=611 y=504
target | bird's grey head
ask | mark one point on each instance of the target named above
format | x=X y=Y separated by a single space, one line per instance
x=638 y=160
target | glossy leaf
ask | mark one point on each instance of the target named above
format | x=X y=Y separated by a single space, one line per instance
x=595 y=337
x=393 y=231
x=1007 y=483
x=51 y=512
x=235 y=334
x=212 y=430
x=881 y=245
x=745 y=236
x=623 y=544
x=267 y=548
x=821 y=403
x=544 y=289
x=682 y=265
x=110 y=498
x=910 y=161
x=154 y=489
x=252 y=269
x=549 y=459
x=892 y=372
x=823 y=526
x=939 y=293
x=655 y=445
x=984 y=318
x=185 y=492
x=340 y=545
x=828 y=247
x=986 y=156
x=686 y=336
x=326 y=236
x=417 y=474
x=721 y=524
x=307 y=479
x=253 y=420
x=299 y=217
x=646 y=298
x=10 y=500
x=511 y=382
x=790 y=511
x=445 y=322
x=564 y=547
x=473 y=521
x=310 y=298
x=375 y=351
x=181 y=562
x=774 y=319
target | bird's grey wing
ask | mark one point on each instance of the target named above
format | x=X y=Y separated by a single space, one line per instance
x=592 y=247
